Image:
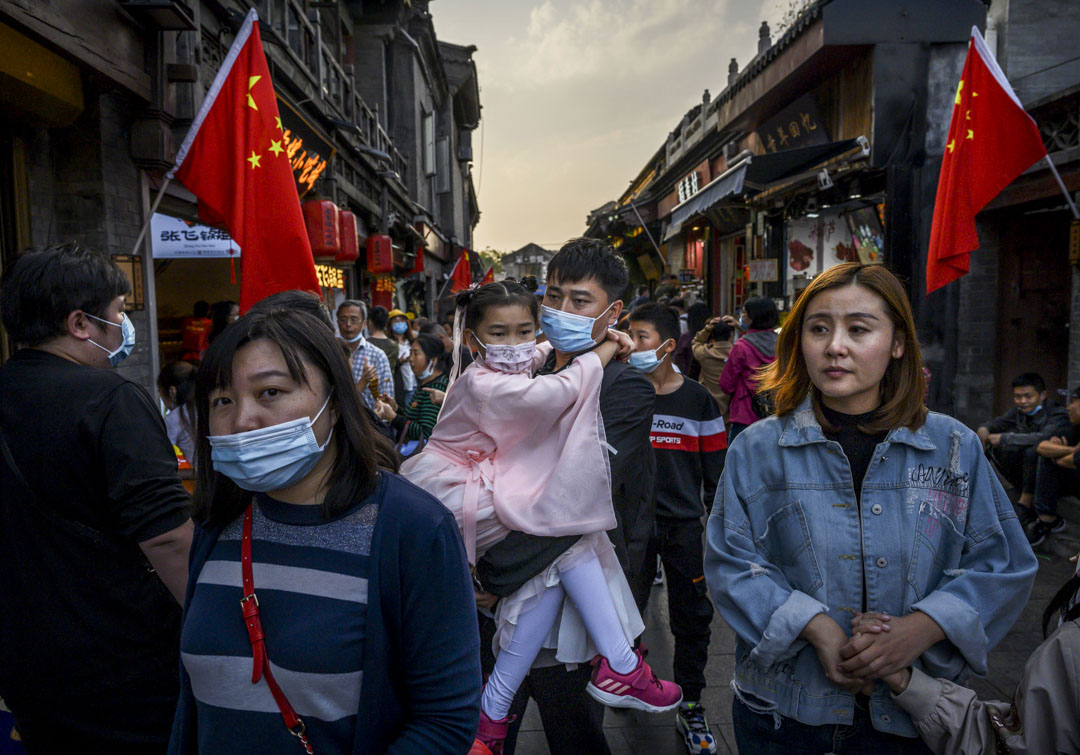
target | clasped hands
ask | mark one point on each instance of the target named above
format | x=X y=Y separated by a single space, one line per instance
x=880 y=647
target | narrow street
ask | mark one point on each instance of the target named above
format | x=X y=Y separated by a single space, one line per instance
x=634 y=732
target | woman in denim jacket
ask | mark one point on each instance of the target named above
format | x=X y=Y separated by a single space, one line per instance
x=854 y=498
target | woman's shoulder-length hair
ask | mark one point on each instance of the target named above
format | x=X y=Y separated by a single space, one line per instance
x=311 y=352
x=903 y=388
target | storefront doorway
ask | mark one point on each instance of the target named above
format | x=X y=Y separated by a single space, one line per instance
x=1034 y=291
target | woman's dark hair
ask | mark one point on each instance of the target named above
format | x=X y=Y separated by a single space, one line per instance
x=306 y=345
x=433 y=348
x=1060 y=604
x=42 y=288
x=300 y=301
x=477 y=301
x=696 y=317
x=219 y=317
x=762 y=313
x=181 y=376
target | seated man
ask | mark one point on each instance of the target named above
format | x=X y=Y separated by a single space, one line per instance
x=1010 y=439
x=1057 y=474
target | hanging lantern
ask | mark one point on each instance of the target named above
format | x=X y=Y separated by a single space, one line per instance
x=321 y=218
x=350 y=237
x=380 y=254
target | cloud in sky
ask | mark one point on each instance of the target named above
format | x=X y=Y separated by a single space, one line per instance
x=577 y=96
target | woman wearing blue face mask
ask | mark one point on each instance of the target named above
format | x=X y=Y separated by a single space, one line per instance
x=404 y=377
x=328 y=599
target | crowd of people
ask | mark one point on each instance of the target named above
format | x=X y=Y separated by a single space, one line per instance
x=404 y=530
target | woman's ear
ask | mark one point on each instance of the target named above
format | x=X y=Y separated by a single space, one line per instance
x=898 y=346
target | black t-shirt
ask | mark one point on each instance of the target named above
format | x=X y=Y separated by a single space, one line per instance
x=81 y=611
x=858 y=446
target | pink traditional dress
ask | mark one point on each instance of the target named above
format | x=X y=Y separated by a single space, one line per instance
x=514 y=452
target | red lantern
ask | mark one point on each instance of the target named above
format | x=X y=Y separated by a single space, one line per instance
x=380 y=254
x=321 y=218
x=350 y=239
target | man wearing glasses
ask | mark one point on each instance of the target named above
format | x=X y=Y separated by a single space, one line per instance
x=370 y=367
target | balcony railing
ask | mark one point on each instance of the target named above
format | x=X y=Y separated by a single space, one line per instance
x=336 y=89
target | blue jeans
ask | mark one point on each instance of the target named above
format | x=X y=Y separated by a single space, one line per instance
x=755 y=735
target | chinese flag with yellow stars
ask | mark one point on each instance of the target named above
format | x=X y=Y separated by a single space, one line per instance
x=992 y=140
x=235 y=161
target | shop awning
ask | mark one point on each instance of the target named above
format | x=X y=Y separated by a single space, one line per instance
x=728 y=183
x=755 y=173
x=776 y=166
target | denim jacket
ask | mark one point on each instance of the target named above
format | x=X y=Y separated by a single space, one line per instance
x=787 y=540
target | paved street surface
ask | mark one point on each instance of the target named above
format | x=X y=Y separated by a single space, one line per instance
x=655 y=734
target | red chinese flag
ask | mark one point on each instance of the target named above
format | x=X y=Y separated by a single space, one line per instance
x=461 y=275
x=992 y=140
x=489 y=276
x=234 y=160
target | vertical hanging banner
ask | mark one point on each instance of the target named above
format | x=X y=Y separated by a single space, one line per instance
x=235 y=160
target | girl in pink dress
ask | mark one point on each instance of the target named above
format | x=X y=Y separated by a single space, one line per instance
x=515 y=452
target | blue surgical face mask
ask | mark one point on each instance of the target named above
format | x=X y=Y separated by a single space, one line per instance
x=399 y=328
x=358 y=338
x=269 y=458
x=567 y=332
x=647 y=361
x=427 y=371
x=127 y=329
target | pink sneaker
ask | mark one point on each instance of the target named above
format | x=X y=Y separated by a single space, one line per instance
x=490 y=736
x=640 y=689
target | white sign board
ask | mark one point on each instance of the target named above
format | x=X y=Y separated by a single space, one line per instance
x=173 y=238
x=762 y=271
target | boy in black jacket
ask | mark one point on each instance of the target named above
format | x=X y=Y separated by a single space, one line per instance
x=1010 y=440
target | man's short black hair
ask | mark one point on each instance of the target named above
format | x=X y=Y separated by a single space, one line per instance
x=42 y=288
x=380 y=317
x=1074 y=395
x=1030 y=380
x=582 y=259
x=661 y=317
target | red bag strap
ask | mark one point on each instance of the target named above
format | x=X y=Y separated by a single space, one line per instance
x=249 y=605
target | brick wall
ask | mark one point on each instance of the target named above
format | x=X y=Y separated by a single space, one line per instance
x=84 y=187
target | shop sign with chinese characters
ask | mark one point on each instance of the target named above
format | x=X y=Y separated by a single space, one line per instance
x=173 y=238
x=309 y=152
x=330 y=276
x=688 y=187
x=797 y=125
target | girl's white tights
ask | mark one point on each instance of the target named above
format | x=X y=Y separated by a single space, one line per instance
x=588 y=591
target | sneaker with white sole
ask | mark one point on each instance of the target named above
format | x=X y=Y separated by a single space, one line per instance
x=640 y=689
x=692 y=724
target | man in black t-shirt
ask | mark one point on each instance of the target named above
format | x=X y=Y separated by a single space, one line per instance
x=94 y=530
x=689 y=442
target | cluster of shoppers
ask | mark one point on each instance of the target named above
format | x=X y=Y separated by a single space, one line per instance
x=311 y=597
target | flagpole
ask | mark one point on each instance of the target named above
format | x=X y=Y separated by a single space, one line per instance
x=153 y=209
x=1068 y=197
